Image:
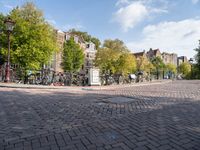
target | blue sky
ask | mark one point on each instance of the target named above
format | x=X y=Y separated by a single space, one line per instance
x=170 y=25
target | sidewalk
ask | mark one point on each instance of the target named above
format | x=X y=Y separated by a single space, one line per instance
x=28 y=86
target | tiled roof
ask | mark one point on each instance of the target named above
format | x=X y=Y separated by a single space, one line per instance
x=139 y=54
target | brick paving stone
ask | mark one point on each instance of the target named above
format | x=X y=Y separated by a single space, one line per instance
x=165 y=147
x=141 y=148
x=154 y=116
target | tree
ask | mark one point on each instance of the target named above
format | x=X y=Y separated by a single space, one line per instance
x=3 y=39
x=125 y=64
x=105 y=60
x=33 y=40
x=143 y=64
x=87 y=37
x=112 y=55
x=73 y=56
x=185 y=69
x=197 y=57
x=116 y=45
x=171 y=69
x=115 y=58
x=158 y=64
x=196 y=67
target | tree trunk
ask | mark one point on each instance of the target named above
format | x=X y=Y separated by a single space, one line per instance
x=70 y=78
x=157 y=73
x=25 y=78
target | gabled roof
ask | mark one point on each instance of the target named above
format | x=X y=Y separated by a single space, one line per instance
x=152 y=52
x=80 y=38
x=138 y=54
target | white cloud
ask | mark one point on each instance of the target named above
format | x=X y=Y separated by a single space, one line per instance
x=195 y=1
x=135 y=11
x=180 y=37
x=130 y=15
x=158 y=10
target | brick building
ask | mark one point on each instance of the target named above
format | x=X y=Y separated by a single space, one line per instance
x=181 y=59
x=88 y=48
x=169 y=58
x=153 y=53
x=138 y=55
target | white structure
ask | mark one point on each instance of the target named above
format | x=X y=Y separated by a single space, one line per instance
x=94 y=78
x=90 y=53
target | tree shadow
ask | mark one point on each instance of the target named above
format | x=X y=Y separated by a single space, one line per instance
x=147 y=121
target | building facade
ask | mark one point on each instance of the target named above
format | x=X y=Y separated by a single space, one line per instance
x=153 y=53
x=138 y=55
x=181 y=59
x=169 y=58
x=88 y=49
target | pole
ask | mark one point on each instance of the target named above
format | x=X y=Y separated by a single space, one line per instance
x=163 y=74
x=150 y=75
x=7 y=79
x=157 y=73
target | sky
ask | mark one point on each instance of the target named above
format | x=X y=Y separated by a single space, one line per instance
x=170 y=25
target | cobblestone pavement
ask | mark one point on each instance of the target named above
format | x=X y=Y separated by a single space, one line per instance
x=149 y=117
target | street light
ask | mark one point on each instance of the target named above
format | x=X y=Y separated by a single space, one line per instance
x=191 y=63
x=9 y=28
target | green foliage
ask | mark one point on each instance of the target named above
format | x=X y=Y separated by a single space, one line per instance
x=171 y=68
x=73 y=56
x=116 y=45
x=158 y=63
x=125 y=64
x=3 y=39
x=195 y=72
x=114 y=57
x=105 y=59
x=197 y=58
x=143 y=64
x=87 y=37
x=185 y=68
x=33 y=40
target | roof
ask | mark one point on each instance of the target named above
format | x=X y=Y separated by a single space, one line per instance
x=138 y=54
x=153 y=52
x=80 y=38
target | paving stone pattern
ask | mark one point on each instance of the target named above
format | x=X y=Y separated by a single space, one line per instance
x=150 y=117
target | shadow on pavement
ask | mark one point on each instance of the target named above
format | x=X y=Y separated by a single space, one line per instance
x=89 y=120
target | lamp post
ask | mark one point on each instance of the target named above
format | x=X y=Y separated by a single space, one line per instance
x=9 y=28
x=191 y=63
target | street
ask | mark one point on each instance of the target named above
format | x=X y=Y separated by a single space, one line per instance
x=163 y=116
